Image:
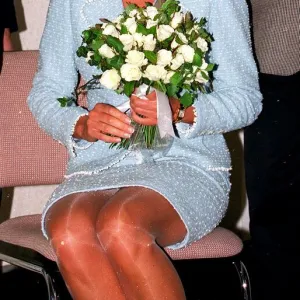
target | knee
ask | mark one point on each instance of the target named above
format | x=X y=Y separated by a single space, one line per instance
x=118 y=229
x=69 y=233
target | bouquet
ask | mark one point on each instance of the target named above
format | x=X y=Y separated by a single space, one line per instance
x=144 y=49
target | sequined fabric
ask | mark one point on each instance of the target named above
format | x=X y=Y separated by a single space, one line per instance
x=193 y=173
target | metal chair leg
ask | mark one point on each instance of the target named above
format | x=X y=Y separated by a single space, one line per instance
x=53 y=293
x=244 y=279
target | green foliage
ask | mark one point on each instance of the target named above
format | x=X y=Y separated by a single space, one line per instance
x=210 y=67
x=129 y=88
x=197 y=61
x=115 y=43
x=160 y=86
x=96 y=44
x=172 y=90
x=151 y=56
x=82 y=51
x=66 y=101
x=187 y=99
x=176 y=79
x=182 y=84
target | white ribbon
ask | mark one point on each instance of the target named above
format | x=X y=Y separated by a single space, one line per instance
x=164 y=114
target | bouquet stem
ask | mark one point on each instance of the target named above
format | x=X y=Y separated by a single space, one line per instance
x=144 y=136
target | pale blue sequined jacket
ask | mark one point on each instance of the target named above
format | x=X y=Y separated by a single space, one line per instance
x=235 y=102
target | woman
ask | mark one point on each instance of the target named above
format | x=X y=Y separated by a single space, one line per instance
x=109 y=219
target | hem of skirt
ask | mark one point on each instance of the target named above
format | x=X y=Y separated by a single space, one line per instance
x=178 y=245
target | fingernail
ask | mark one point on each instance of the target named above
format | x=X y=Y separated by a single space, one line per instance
x=128 y=120
x=131 y=129
x=127 y=135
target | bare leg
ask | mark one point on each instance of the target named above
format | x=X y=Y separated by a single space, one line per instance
x=130 y=227
x=70 y=224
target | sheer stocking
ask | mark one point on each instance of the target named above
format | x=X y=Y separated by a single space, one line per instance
x=107 y=244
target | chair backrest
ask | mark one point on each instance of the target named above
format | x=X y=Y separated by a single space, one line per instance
x=27 y=155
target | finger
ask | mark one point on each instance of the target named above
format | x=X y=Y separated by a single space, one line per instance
x=145 y=113
x=110 y=130
x=106 y=138
x=143 y=121
x=100 y=127
x=152 y=96
x=150 y=105
x=116 y=123
x=113 y=111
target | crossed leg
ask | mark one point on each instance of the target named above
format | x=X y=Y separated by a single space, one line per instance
x=109 y=243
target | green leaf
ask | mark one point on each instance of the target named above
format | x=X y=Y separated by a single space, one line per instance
x=116 y=62
x=151 y=56
x=210 y=67
x=82 y=51
x=178 y=40
x=115 y=43
x=172 y=90
x=152 y=30
x=129 y=8
x=160 y=86
x=141 y=29
x=129 y=88
x=86 y=35
x=197 y=60
x=124 y=29
x=176 y=78
x=65 y=101
x=187 y=99
x=96 y=44
x=96 y=59
x=204 y=75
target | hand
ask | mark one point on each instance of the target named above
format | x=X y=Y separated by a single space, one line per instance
x=144 y=111
x=104 y=122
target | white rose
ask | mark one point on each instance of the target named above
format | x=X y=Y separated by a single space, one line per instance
x=168 y=77
x=136 y=58
x=164 y=32
x=133 y=13
x=202 y=44
x=199 y=78
x=189 y=77
x=177 y=61
x=195 y=28
x=89 y=55
x=188 y=53
x=151 y=12
x=177 y=19
x=149 y=42
x=127 y=40
x=104 y=25
x=117 y=21
x=182 y=37
x=131 y=25
x=110 y=79
x=174 y=44
x=106 y=51
x=111 y=30
x=204 y=65
x=151 y=23
x=164 y=57
x=155 y=73
x=138 y=39
x=131 y=72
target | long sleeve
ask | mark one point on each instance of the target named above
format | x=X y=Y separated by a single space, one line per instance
x=56 y=76
x=236 y=99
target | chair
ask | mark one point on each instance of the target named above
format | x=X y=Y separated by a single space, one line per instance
x=30 y=157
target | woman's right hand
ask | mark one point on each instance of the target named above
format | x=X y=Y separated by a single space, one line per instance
x=104 y=122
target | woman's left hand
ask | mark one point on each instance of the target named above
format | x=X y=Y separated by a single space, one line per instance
x=144 y=111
